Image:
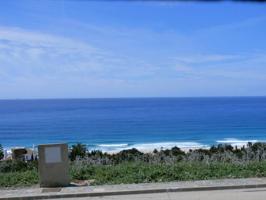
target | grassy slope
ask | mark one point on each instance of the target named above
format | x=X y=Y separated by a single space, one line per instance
x=16 y=179
x=142 y=172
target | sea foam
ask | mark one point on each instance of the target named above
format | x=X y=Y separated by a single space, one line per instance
x=236 y=142
x=148 y=147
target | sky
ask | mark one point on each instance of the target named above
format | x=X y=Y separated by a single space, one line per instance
x=90 y=49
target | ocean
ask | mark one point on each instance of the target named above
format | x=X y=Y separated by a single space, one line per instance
x=143 y=123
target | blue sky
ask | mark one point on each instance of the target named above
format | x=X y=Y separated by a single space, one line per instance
x=82 y=49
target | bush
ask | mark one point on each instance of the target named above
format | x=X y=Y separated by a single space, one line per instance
x=78 y=150
x=1 y=152
x=17 y=166
x=140 y=172
x=15 y=179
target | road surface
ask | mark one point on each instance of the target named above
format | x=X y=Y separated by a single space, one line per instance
x=243 y=194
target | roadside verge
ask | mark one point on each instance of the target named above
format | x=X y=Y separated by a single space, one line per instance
x=127 y=189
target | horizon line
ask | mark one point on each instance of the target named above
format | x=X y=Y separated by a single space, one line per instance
x=137 y=97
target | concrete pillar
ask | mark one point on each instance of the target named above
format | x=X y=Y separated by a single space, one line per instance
x=53 y=165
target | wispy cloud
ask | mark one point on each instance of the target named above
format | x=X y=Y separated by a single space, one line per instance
x=26 y=53
x=205 y=58
x=241 y=67
x=148 y=61
x=21 y=49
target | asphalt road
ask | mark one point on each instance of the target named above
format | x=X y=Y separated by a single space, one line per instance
x=243 y=194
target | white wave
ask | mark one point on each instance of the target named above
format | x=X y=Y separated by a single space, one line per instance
x=149 y=147
x=112 y=145
x=235 y=142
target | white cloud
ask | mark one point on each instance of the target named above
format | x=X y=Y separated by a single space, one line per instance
x=205 y=58
x=44 y=65
x=17 y=36
x=26 y=53
x=240 y=67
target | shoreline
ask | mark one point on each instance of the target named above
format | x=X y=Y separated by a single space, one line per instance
x=149 y=147
x=184 y=146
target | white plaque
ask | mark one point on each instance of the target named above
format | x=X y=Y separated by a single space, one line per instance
x=52 y=155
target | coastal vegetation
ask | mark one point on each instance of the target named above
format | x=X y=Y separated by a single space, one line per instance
x=78 y=150
x=18 y=173
x=133 y=166
x=1 y=152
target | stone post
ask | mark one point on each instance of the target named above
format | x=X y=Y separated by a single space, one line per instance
x=53 y=165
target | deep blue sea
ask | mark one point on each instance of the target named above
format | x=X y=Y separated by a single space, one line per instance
x=115 y=124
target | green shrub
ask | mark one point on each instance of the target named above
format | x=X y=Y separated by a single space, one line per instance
x=15 y=179
x=77 y=150
x=17 y=166
x=1 y=152
x=140 y=172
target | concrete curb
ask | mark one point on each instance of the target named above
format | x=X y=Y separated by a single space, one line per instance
x=131 y=192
